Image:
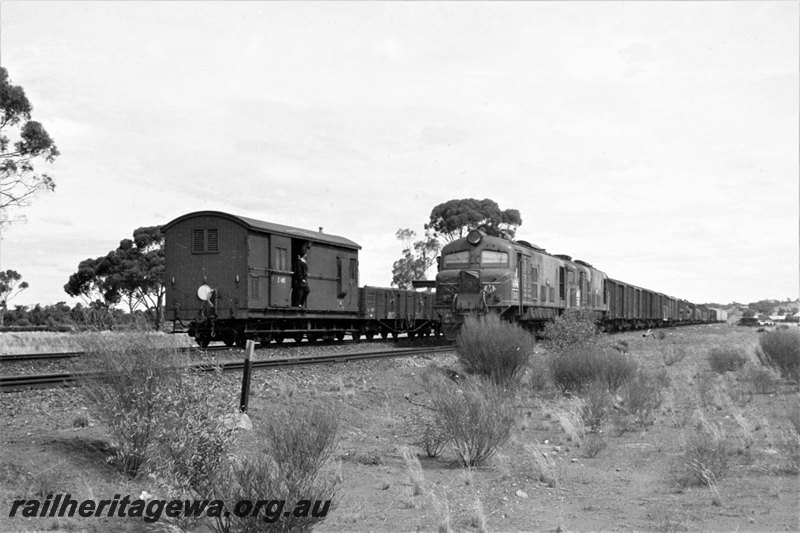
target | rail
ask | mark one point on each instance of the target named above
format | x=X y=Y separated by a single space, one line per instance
x=65 y=379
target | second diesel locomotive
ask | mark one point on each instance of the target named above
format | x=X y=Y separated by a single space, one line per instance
x=521 y=282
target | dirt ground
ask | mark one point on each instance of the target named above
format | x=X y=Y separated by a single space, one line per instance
x=629 y=485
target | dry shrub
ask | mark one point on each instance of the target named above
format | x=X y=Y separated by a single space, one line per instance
x=433 y=439
x=159 y=412
x=727 y=358
x=643 y=395
x=763 y=380
x=194 y=440
x=477 y=417
x=593 y=445
x=788 y=442
x=781 y=349
x=575 y=327
x=499 y=350
x=597 y=405
x=126 y=379
x=578 y=366
x=705 y=459
x=294 y=466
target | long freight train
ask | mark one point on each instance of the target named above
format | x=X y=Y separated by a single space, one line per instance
x=228 y=279
x=521 y=282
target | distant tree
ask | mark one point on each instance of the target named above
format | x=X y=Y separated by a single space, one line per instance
x=748 y=313
x=11 y=284
x=134 y=272
x=764 y=307
x=417 y=258
x=455 y=218
x=18 y=181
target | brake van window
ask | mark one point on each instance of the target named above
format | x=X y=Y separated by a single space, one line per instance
x=456 y=260
x=494 y=259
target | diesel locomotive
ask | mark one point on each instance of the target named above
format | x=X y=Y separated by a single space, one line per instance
x=521 y=282
x=229 y=278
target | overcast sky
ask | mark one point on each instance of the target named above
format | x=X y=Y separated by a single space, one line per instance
x=656 y=140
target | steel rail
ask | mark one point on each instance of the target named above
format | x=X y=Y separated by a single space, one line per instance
x=23 y=357
x=17 y=357
x=42 y=381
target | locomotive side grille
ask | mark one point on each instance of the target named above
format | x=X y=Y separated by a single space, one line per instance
x=469 y=282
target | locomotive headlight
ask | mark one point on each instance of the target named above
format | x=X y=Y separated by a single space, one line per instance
x=474 y=237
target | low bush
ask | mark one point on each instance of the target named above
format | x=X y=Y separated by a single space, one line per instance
x=575 y=327
x=726 y=358
x=593 y=445
x=578 y=366
x=125 y=378
x=194 y=436
x=432 y=439
x=477 y=416
x=763 y=380
x=597 y=404
x=488 y=346
x=643 y=395
x=292 y=468
x=781 y=349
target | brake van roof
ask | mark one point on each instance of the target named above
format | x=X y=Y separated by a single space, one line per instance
x=270 y=227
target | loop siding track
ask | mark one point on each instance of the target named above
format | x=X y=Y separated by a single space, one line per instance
x=46 y=381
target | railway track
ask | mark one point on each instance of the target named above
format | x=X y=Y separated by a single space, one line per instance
x=32 y=357
x=29 y=357
x=63 y=379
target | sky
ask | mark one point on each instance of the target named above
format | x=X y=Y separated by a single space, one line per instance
x=656 y=140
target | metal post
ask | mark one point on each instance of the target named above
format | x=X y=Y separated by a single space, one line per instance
x=248 y=366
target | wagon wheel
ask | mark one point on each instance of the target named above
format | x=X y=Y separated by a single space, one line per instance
x=241 y=340
x=228 y=340
x=370 y=335
x=384 y=333
x=278 y=338
x=356 y=335
x=410 y=334
x=202 y=341
x=340 y=336
x=298 y=337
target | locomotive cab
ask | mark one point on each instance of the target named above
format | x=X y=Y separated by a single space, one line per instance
x=477 y=274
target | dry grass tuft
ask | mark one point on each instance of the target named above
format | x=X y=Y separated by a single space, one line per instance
x=705 y=459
